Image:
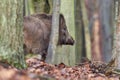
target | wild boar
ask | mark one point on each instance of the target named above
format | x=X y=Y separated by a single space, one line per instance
x=37 y=29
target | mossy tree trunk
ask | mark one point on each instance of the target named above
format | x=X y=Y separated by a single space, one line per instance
x=39 y=5
x=66 y=53
x=86 y=29
x=11 y=32
x=28 y=7
x=79 y=32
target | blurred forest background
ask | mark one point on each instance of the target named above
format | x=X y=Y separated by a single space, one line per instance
x=92 y=23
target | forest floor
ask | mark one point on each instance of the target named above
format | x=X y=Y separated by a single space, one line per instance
x=39 y=70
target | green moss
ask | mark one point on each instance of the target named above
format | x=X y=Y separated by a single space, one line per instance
x=11 y=33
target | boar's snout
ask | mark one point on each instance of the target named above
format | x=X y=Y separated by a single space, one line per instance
x=66 y=40
x=70 y=41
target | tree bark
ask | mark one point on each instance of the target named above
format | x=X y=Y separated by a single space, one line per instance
x=105 y=19
x=66 y=53
x=11 y=32
x=86 y=29
x=30 y=9
x=79 y=33
x=95 y=30
x=54 y=34
x=116 y=43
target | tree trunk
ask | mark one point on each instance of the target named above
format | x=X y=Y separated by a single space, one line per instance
x=30 y=7
x=11 y=32
x=105 y=19
x=95 y=30
x=79 y=33
x=116 y=44
x=86 y=29
x=51 y=6
x=54 y=34
x=66 y=53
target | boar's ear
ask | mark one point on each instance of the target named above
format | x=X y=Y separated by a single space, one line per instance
x=61 y=19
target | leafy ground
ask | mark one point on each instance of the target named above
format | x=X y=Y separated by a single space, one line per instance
x=39 y=70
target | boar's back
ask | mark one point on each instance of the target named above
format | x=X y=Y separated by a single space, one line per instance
x=36 y=34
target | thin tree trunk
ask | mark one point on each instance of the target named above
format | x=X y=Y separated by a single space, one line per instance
x=11 y=32
x=79 y=32
x=30 y=9
x=96 y=39
x=86 y=30
x=51 y=6
x=55 y=33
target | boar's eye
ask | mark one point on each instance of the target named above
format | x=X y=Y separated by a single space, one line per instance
x=64 y=28
x=63 y=32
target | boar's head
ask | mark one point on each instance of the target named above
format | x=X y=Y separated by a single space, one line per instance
x=64 y=36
